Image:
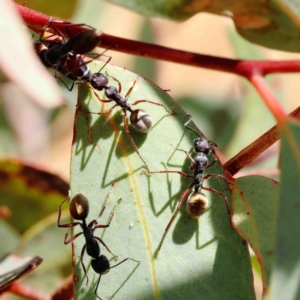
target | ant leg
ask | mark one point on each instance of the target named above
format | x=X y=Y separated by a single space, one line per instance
x=111 y=214
x=119 y=84
x=128 y=258
x=95 y=292
x=211 y=163
x=108 y=112
x=97 y=55
x=155 y=103
x=216 y=176
x=188 y=127
x=187 y=154
x=175 y=172
x=105 y=101
x=183 y=196
x=101 y=241
x=106 y=201
x=67 y=241
x=131 y=139
x=69 y=225
x=82 y=264
x=68 y=88
x=218 y=193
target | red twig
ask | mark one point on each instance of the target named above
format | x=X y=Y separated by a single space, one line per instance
x=65 y=291
x=27 y=292
x=245 y=68
x=248 y=154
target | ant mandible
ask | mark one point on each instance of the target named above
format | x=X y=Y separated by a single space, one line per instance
x=197 y=201
x=79 y=210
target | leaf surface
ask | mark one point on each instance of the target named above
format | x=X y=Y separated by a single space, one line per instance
x=202 y=258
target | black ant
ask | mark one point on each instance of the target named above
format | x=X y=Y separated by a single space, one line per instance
x=197 y=201
x=139 y=119
x=65 y=56
x=79 y=210
x=72 y=65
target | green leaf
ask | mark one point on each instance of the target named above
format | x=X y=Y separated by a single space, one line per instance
x=202 y=258
x=45 y=239
x=273 y=24
x=254 y=206
x=285 y=281
x=37 y=191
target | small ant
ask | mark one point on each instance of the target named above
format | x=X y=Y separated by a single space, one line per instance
x=65 y=56
x=139 y=119
x=197 y=201
x=79 y=210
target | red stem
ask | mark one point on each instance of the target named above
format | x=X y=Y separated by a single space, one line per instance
x=27 y=292
x=245 y=68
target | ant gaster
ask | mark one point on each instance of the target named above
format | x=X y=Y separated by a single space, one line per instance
x=79 y=210
x=197 y=201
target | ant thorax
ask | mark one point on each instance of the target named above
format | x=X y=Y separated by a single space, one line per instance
x=201 y=161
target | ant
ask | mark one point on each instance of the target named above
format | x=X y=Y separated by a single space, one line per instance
x=140 y=120
x=72 y=65
x=65 y=56
x=79 y=210
x=197 y=201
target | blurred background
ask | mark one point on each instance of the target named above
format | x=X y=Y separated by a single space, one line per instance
x=223 y=106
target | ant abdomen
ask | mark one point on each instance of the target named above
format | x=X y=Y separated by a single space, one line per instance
x=100 y=265
x=79 y=207
x=140 y=120
x=196 y=204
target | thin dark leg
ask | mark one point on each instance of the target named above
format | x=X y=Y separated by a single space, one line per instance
x=183 y=196
x=174 y=172
x=216 y=176
x=220 y=194
x=211 y=163
x=71 y=239
x=59 y=216
x=131 y=139
x=82 y=264
x=155 y=103
x=128 y=258
x=97 y=288
x=101 y=241
x=118 y=82
x=187 y=154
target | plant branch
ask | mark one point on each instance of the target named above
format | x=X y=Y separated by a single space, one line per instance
x=245 y=68
x=26 y=292
x=248 y=154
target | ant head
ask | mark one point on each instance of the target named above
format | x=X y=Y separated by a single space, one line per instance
x=196 y=204
x=100 y=265
x=99 y=81
x=140 y=121
x=79 y=207
x=203 y=145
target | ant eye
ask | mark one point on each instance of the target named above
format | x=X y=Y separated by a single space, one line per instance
x=196 y=204
x=140 y=121
x=79 y=207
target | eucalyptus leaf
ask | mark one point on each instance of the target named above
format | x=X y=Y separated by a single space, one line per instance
x=202 y=258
